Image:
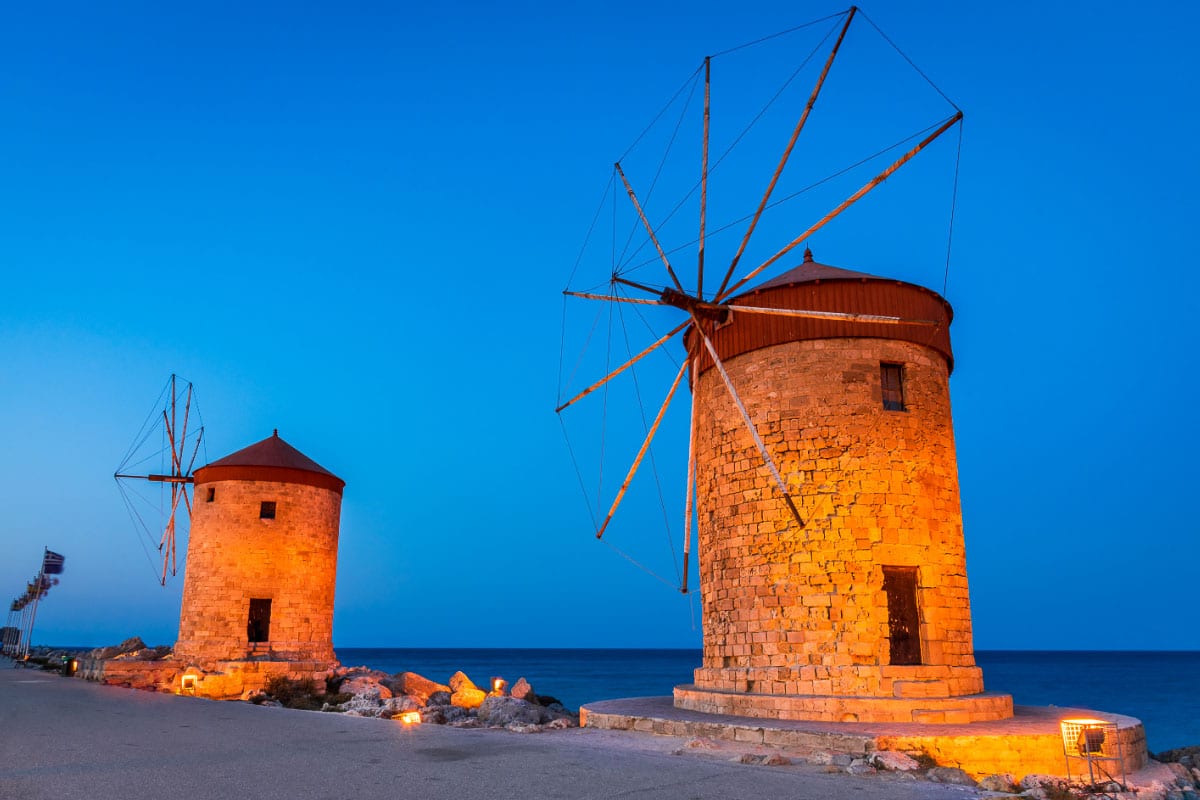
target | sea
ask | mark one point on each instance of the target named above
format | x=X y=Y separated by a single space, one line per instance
x=1162 y=689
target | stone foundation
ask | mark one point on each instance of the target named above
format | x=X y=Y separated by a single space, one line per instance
x=1027 y=743
x=910 y=706
x=222 y=680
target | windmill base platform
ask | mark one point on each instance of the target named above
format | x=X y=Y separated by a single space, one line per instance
x=983 y=707
x=222 y=680
x=1029 y=742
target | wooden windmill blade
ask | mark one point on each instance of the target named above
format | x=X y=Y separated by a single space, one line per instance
x=175 y=455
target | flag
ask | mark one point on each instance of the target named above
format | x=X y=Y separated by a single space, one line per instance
x=52 y=563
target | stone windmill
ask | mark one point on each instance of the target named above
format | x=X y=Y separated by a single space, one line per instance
x=262 y=566
x=822 y=473
x=261 y=552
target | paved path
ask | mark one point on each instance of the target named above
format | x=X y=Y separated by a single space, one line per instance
x=66 y=738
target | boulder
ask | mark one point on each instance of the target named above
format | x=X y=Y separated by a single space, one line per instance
x=523 y=691
x=434 y=715
x=453 y=713
x=498 y=711
x=1041 y=787
x=459 y=680
x=438 y=699
x=362 y=705
x=950 y=775
x=395 y=706
x=557 y=711
x=130 y=645
x=467 y=697
x=998 y=783
x=367 y=685
x=418 y=686
x=893 y=761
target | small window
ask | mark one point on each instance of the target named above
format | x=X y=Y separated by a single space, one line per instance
x=267 y=510
x=892 y=380
x=212 y=495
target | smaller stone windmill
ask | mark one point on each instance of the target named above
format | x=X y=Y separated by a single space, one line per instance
x=261 y=569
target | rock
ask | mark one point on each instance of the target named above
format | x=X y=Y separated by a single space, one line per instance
x=1183 y=775
x=459 y=681
x=433 y=715
x=841 y=759
x=468 y=698
x=362 y=705
x=523 y=691
x=998 y=783
x=952 y=775
x=1041 y=787
x=395 y=706
x=130 y=645
x=418 y=686
x=555 y=711
x=860 y=767
x=367 y=685
x=439 y=699
x=561 y=723
x=465 y=722
x=454 y=713
x=498 y=711
x=517 y=727
x=893 y=760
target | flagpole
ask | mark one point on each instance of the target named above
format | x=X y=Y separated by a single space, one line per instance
x=37 y=597
x=21 y=630
x=7 y=645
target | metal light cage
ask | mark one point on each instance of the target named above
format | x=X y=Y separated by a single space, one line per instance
x=1093 y=741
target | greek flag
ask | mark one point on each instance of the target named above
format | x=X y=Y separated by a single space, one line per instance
x=52 y=563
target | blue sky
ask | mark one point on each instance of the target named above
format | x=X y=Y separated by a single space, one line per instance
x=353 y=222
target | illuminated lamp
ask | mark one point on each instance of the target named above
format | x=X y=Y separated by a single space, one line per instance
x=410 y=718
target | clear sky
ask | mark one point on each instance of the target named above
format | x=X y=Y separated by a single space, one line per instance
x=353 y=221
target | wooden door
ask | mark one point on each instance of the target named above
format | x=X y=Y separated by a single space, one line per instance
x=904 y=618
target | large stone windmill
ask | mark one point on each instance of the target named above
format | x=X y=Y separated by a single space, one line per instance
x=822 y=470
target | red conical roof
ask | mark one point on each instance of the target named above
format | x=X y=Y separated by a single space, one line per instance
x=272 y=459
x=811 y=271
x=821 y=288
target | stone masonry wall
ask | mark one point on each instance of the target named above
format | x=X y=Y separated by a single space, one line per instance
x=803 y=611
x=234 y=556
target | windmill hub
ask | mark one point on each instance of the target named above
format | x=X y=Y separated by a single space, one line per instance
x=695 y=306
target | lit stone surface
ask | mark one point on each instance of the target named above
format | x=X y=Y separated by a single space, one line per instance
x=234 y=556
x=796 y=620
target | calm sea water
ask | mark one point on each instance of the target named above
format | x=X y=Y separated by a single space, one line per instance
x=1160 y=688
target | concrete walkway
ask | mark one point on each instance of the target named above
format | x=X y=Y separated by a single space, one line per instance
x=62 y=738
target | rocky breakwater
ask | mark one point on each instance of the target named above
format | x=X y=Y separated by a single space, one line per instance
x=411 y=699
x=131 y=663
